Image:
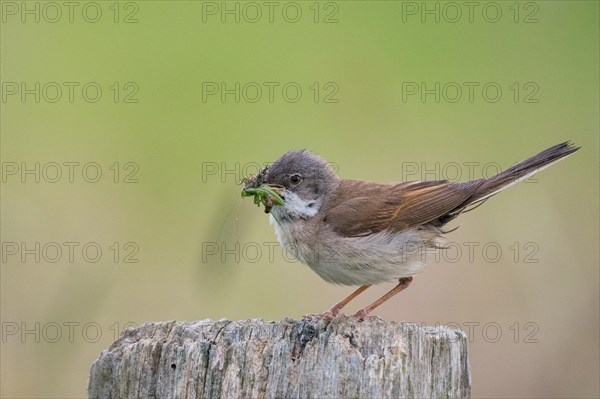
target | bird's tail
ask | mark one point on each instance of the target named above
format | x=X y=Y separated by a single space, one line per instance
x=521 y=171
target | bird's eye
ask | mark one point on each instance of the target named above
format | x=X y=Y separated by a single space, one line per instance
x=295 y=179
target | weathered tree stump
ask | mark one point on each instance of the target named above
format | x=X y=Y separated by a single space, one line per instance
x=342 y=358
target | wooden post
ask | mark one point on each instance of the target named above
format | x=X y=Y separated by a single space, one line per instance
x=308 y=358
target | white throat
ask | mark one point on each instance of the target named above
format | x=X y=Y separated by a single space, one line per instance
x=296 y=207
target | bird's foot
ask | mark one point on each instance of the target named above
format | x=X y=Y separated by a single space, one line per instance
x=361 y=314
x=328 y=315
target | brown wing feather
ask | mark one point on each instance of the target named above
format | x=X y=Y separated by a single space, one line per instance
x=368 y=208
x=364 y=208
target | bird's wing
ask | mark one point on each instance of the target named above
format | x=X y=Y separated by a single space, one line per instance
x=364 y=208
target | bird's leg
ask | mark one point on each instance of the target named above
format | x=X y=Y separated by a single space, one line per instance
x=335 y=309
x=402 y=284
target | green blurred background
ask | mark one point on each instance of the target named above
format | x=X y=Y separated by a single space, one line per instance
x=188 y=149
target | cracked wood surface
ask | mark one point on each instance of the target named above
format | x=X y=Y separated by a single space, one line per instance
x=308 y=358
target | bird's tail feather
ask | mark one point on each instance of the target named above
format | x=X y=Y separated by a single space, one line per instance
x=521 y=171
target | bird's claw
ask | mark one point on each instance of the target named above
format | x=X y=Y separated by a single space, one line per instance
x=361 y=315
x=328 y=315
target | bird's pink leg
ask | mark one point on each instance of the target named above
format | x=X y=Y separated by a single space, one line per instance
x=402 y=284
x=335 y=309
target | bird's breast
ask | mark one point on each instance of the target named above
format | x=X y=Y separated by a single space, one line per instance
x=377 y=258
x=295 y=236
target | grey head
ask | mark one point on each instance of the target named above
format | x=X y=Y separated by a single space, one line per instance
x=304 y=180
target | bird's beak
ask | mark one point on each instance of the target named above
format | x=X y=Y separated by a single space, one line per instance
x=249 y=184
x=276 y=187
x=253 y=184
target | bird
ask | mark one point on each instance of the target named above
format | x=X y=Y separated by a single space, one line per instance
x=363 y=233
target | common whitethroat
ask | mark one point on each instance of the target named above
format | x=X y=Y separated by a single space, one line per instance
x=354 y=232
